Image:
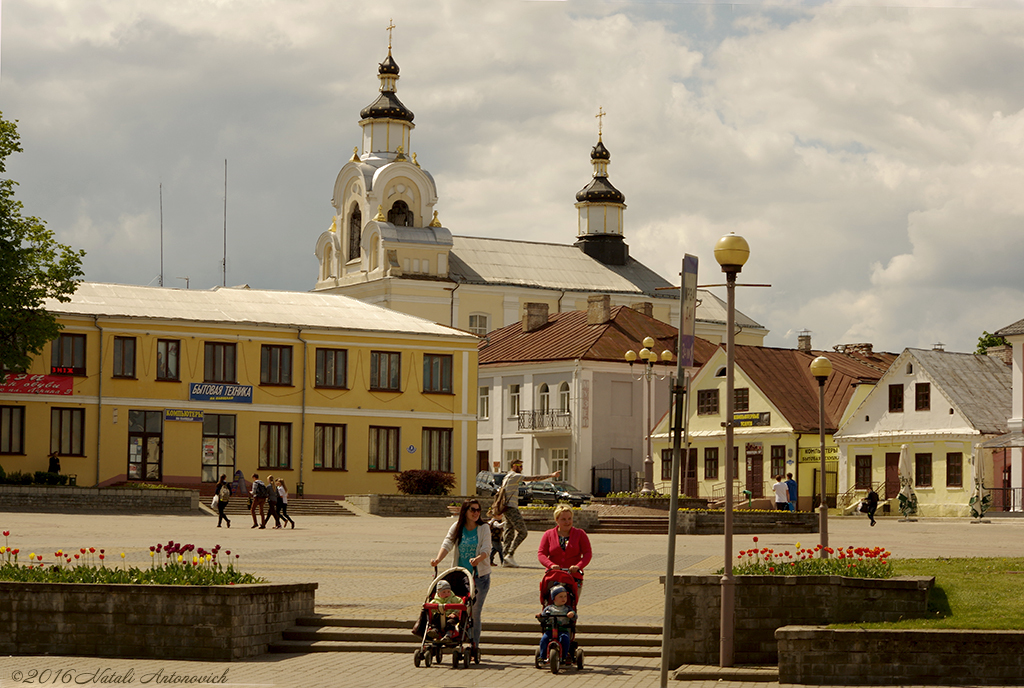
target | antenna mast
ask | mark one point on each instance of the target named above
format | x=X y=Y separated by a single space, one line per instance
x=161 y=234
x=224 y=281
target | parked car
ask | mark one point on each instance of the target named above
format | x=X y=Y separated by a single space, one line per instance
x=488 y=482
x=555 y=491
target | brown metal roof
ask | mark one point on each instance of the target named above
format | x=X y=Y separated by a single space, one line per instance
x=567 y=336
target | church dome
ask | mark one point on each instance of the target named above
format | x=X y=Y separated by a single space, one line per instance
x=600 y=190
x=387 y=105
x=388 y=66
x=599 y=152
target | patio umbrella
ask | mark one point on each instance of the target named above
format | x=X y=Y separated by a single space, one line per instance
x=907 y=496
x=981 y=499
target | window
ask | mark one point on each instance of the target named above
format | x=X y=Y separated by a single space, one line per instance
x=512 y=455
x=275 y=365
x=563 y=397
x=666 y=464
x=67 y=431
x=385 y=370
x=560 y=462
x=67 y=355
x=735 y=463
x=478 y=325
x=400 y=215
x=777 y=460
x=220 y=362
x=275 y=445
x=332 y=368
x=862 y=474
x=954 y=469
x=711 y=463
x=513 y=400
x=355 y=232
x=437 y=449
x=437 y=373
x=922 y=396
x=707 y=402
x=167 y=359
x=543 y=399
x=124 y=357
x=922 y=470
x=741 y=399
x=896 y=398
x=218 y=446
x=383 y=449
x=483 y=405
x=329 y=447
x=12 y=429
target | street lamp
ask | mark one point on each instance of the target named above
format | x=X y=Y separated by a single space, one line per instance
x=731 y=252
x=649 y=357
x=821 y=368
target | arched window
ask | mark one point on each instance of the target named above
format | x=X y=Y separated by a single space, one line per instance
x=327 y=268
x=563 y=397
x=544 y=398
x=355 y=232
x=400 y=215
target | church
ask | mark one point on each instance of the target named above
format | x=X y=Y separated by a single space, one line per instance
x=386 y=244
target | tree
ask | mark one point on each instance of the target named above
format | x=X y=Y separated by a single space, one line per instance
x=33 y=267
x=986 y=340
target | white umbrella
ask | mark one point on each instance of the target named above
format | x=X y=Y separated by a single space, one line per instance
x=981 y=499
x=907 y=496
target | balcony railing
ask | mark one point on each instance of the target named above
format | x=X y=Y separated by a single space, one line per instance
x=544 y=420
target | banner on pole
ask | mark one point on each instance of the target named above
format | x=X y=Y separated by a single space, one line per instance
x=688 y=315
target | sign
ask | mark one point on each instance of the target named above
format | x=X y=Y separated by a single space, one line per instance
x=753 y=419
x=217 y=391
x=814 y=454
x=21 y=383
x=183 y=414
x=688 y=311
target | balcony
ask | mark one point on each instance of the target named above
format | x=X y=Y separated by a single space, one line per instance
x=546 y=422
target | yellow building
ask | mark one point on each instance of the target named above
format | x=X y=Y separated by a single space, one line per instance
x=178 y=387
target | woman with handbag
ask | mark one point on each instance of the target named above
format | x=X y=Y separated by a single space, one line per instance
x=222 y=493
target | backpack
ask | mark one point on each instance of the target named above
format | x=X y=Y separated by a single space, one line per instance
x=261 y=490
x=225 y=493
x=500 y=502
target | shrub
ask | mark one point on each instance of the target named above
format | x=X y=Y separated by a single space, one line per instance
x=417 y=482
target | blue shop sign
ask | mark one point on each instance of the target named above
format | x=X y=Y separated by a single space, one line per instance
x=217 y=391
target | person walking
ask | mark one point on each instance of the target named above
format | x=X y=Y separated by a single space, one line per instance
x=515 y=527
x=223 y=493
x=273 y=498
x=564 y=547
x=781 y=490
x=791 y=484
x=259 y=500
x=470 y=537
x=282 y=502
x=872 y=505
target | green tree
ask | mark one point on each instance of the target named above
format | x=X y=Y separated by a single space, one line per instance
x=33 y=267
x=986 y=340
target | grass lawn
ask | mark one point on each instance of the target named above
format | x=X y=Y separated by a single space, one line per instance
x=968 y=593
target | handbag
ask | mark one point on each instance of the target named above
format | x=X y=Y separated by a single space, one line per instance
x=213 y=502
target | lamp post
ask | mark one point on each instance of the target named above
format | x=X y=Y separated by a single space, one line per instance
x=731 y=252
x=821 y=368
x=649 y=357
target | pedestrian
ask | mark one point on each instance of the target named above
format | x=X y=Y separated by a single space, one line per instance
x=470 y=537
x=282 y=502
x=791 y=484
x=871 y=504
x=223 y=493
x=515 y=527
x=781 y=490
x=54 y=466
x=564 y=547
x=259 y=499
x=273 y=499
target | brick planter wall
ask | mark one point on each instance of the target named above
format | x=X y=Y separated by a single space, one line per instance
x=65 y=499
x=410 y=505
x=748 y=522
x=218 y=622
x=767 y=603
x=933 y=657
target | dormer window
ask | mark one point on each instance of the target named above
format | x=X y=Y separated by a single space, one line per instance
x=400 y=215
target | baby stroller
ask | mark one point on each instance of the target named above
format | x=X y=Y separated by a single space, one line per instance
x=459 y=639
x=553 y=654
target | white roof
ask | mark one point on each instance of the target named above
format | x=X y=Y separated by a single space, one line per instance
x=315 y=310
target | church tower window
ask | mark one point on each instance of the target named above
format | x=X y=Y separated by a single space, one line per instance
x=355 y=231
x=400 y=215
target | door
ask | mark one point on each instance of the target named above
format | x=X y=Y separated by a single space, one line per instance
x=755 y=469
x=892 y=475
x=145 y=445
x=689 y=473
x=483 y=461
x=218 y=446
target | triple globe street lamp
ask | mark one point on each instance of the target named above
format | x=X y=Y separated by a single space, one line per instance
x=649 y=358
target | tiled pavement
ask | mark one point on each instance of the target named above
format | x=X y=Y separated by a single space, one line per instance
x=378 y=567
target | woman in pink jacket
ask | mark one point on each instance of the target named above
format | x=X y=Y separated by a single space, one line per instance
x=564 y=547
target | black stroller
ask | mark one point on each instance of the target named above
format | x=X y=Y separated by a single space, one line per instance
x=436 y=631
x=553 y=654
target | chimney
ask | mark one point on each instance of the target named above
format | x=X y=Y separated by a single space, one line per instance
x=938 y=346
x=803 y=341
x=1004 y=353
x=599 y=309
x=863 y=348
x=536 y=316
x=645 y=307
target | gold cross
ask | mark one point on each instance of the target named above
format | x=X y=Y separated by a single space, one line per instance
x=600 y=121
x=391 y=25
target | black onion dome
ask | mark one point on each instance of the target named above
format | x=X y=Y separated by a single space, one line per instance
x=388 y=66
x=599 y=152
x=388 y=106
x=600 y=190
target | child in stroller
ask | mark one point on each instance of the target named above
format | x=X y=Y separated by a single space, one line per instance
x=559 y=597
x=446 y=619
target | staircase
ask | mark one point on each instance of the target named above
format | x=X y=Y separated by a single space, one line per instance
x=632 y=525
x=331 y=634
x=297 y=506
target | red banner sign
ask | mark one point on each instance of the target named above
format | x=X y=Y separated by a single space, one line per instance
x=37 y=384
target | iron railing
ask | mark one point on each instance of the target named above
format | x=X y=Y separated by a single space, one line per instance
x=544 y=420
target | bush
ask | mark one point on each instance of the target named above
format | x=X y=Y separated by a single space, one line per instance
x=425 y=482
x=18 y=478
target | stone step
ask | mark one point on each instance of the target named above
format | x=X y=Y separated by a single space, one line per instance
x=303 y=647
x=318 y=507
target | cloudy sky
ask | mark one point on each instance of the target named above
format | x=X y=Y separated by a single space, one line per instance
x=872 y=154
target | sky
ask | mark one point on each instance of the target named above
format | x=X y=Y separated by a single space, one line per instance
x=872 y=154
